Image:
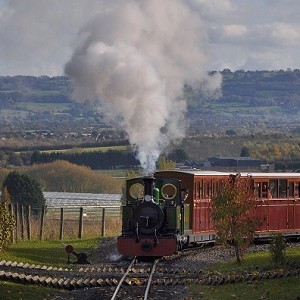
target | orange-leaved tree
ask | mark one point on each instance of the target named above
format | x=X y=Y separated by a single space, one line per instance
x=233 y=213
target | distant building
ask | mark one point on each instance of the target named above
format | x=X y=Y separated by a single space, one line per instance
x=235 y=162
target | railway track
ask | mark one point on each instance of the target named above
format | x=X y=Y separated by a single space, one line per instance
x=107 y=275
x=127 y=273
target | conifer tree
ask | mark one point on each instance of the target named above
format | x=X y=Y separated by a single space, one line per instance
x=24 y=190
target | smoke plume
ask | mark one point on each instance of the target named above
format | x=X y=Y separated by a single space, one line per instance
x=132 y=61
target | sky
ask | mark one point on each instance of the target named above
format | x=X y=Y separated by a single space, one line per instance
x=38 y=37
x=131 y=58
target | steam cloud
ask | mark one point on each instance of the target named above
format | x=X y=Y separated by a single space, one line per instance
x=132 y=61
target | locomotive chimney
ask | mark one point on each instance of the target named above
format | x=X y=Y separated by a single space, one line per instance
x=148 y=188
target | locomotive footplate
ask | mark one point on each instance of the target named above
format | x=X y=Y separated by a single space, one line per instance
x=128 y=246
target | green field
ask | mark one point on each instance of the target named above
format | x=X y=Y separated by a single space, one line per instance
x=89 y=149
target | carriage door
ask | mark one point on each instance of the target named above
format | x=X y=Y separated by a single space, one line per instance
x=202 y=206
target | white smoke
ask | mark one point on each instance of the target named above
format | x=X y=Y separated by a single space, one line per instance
x=132 y=62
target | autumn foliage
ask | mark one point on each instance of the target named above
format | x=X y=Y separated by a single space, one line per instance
x=233 y=213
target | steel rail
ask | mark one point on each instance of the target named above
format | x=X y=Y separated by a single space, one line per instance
x=123 y=278
x=150 y=279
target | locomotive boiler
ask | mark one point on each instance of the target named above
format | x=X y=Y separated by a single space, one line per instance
x=154 y=218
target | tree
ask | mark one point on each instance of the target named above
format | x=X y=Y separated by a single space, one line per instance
x=66 y=177
x=233 y=216
x=178 y=155
x=24 y=190
x=7 y=221
x=245 y=152
x=166 y=164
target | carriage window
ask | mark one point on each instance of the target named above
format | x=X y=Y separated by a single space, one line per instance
x=265 y=187
x=257 y=189
x=207 y=189
x=291 y=189
x=197 y=189
x=282 y=187
x=214 y=188
x=297 y=189
x=273 y=188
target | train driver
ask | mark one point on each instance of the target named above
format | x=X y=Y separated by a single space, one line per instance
x=184 y=195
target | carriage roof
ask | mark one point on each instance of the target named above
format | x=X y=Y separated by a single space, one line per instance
x=244 y=174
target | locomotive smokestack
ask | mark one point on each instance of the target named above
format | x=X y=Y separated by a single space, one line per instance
x=148 y=185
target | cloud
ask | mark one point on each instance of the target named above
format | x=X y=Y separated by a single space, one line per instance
x=37 y=36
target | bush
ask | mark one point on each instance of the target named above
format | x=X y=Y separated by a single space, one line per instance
x=277 y=248
x=7 y=222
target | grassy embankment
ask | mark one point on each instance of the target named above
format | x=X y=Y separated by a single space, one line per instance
x=277 y=288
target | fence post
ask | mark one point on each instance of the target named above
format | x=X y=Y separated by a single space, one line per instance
x=11 y=209
x=22 y=222
x=42 y=223
x=103 y=223
x=80 y=223
x=61 y=230
x=17 y=220
x=29 y=223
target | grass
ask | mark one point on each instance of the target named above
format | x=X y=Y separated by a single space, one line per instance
x=39 y=253
x=257 y=261
x=45 y=252
x=281 y=288
x=14 y=291
x=284 y=288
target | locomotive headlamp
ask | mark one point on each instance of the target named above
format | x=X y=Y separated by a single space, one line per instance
x=148 y=198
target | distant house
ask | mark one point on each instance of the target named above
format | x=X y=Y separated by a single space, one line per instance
x=235 y=162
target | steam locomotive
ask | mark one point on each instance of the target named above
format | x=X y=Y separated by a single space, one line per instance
x=159 y=217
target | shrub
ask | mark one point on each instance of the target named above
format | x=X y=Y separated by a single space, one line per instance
x=7 y=222
x=277 y=248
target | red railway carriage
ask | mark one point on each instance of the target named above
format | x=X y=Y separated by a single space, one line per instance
x=201 y=186
x=278 y=201
x=158 y=219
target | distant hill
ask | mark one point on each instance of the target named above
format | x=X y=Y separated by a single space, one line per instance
x=251 y=100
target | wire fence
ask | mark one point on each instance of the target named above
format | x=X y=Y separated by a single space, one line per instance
x=52 y=223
